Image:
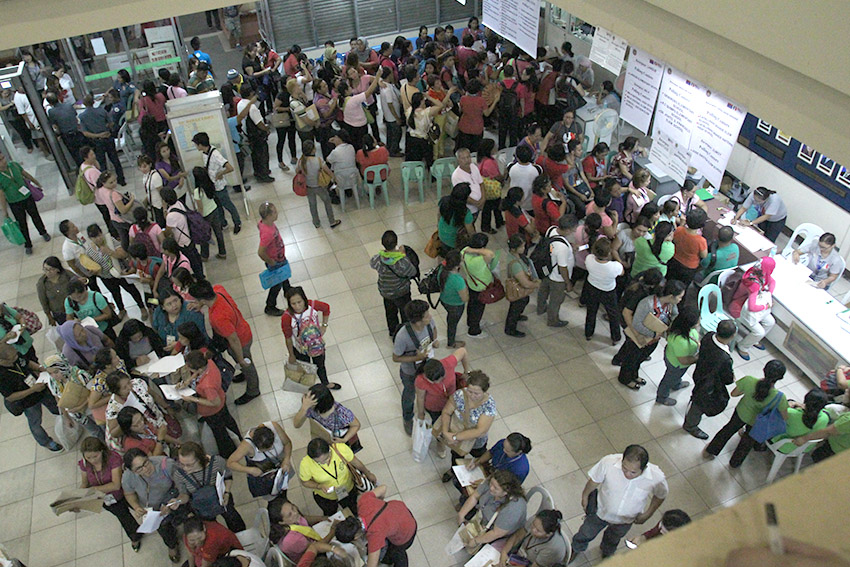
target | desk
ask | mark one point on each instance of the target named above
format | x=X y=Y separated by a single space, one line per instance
x=662 y=184
x=751 y=242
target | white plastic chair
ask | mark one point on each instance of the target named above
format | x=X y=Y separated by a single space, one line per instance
x=546 y=500
x=779 y=458
x=724 y=275
x=804 y=230
x=276 y=558
x=256 y=538
x=663 y=199
x=846 y=298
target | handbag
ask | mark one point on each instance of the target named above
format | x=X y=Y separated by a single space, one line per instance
x=432 y=248
x=12 y=231
x=514 y=290
x=434 y=132
x=462 y=448
x=451 y=127
x=491 y=188
x=89 y=265
x=493 y=292
x=361 y=482
x=325 y=179
x=652 y=323
x=36 y=191
x=769 y=422
x=368 y=113
x=281 y=118
x=299 y=184
x=31 y=321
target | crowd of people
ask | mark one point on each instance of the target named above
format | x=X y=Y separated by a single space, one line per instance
x=572 y=219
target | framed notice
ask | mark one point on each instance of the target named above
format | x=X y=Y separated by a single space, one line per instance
x=825 y=165
x=806 y=154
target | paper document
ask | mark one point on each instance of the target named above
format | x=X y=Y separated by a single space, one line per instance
x=145 y=368
x=487 y=556
x=455 y=544
x=174 y=393
x=468 y=477
x=88 y=322
x=753 y=240
x=281 y=482
x=16 y=331
x=219 y=487
x=87 y=499
x=43 y=378
x=166 y=365
x=656 y=171
x=151 y=522
x=134 y=402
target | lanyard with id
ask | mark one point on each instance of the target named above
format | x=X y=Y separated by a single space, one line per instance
x=341 y=491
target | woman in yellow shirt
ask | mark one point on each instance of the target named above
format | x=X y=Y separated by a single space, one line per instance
x=325 y=471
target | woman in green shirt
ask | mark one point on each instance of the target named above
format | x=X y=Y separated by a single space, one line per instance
x=454 y=216
x=654 y=254
x=454 y=295
x=15 y=193
x=520 y=269
x=804 y=418
x=680 y=353
x=757 y=395
x=478 y=263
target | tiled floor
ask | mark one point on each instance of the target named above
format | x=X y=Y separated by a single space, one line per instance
x=552 y=386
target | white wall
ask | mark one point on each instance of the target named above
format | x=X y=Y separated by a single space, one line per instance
x=804 y=204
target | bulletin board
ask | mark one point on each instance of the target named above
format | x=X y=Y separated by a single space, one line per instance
x=802 y=162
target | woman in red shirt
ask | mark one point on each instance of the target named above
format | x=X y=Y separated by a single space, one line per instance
x=515 y=217
x=473 y=108
x=138 y=433
x=205 y=379
x=304 y=324
x=435 y=385
x=594 y=165
x=372 y=154
x=547 y=211
x=153 y=103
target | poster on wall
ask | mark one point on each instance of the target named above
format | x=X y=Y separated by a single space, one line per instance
x=516 y=20
x=715 y=135
x=670 y=156
x=640 y=90
x=680 y=104
x=162 y=52
x=608 y=50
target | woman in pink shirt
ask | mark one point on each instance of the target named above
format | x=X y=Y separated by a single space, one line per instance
x=152 y=103
x=354 y=115
x=91 y=173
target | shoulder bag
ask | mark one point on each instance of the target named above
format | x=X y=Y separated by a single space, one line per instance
x=361 y=481
x=769 y=422
x=204 y=500
x=492 y=292
x=514 y=290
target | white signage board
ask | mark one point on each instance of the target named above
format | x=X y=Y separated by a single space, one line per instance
x=608 y=50
x=670 y=156
x=680 y=104
x=516 y=20
x=715 y=135
x=640 y=90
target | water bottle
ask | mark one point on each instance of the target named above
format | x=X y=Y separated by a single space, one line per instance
x=773 y=251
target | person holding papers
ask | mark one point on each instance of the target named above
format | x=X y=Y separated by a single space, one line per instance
x=133 y=391
x=822 y=259
x=195 y=477
x=771 y=212
x=101 y=469
x=340 y=422
x=502 y=503
x=147 y=485
x=138 y=433
x=292 y=530
x=137 y=344
x=266 y=449
x=205 y=379
x=508 y=454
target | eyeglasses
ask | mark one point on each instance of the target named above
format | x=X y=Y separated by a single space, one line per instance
x=139 y=468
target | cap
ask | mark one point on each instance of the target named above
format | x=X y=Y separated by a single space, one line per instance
x=232 y=74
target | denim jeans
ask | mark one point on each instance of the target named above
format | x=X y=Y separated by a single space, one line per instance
x=33 y=414
x=222 y=199
x=408 y=395
x=393 y=137
x=453 y=315
x=671 y=380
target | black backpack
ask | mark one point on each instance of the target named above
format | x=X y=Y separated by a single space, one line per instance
x=431 y=284
x=509 y=102
x=204 y=500
x=541 y=257
x=414 y=259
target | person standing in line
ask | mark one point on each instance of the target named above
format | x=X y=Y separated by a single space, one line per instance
x=468 y=172
x=256 y=131
x=600 y=288
x=63 y=117
x=15 y=192
x=310 y=165
x=228 y=323
x=217 y=167
x=97 y=128
x=273 y=252
x=304 y=324
x=414 y=343
x=205 y=203
x=395 y=270
x=680 y=354
x=32 y=131
x=176 y=219
x=712 y=373
x=554 y=287
x=391 y=111
x=621 y=490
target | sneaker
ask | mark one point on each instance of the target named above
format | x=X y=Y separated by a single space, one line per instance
x=682 y=384
x=283 y=166
x=293 y=161
x=46 y=238
x=273 y=311
x=245 y=398
x=54 y=446
x=666 y=402
x=408 y=427
x=759 y=346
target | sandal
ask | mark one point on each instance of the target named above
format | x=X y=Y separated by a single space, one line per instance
x=633 y=385
x=334 y=386
x=136 y=545
x=174 y=554
x=640 y=381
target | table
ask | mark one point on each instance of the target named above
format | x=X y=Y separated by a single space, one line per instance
x=751 y=242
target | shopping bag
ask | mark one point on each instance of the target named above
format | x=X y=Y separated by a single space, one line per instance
x=275 y=275
x=421 y=440
x=299 y=377
x=53 y=336
x=67 y=435
x=12 y=231
x=432 y=248
x=30 y=320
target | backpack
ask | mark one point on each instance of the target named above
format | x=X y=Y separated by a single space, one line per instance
x=199 y=229
x=82 y=189
x=431 y=284
x=143 y=237
x=730 y=288
x=409 y=328
x=509 y=102
x=414 y=259
x=205 y=500
x=309 y=335
x=541 y=256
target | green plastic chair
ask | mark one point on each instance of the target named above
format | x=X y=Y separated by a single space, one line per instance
x=442 y=168
x=416 y=169
x=710 y=315
x=377 y=182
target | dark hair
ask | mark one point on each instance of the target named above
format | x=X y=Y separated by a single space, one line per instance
x=669 y=207
x=140 y=215
x=368 y=143
x=389 y=240
x=509 y=482
x=649 y=210
x=202 y=180
x=672 y=519
x=226 y=561
x=453 y=206
x=92 y=445
x=196 y=360
x=672 y=287
x=182 y=275
x=104 y=177
x=726 y=234
x=131 y=456
x=726 y=328
x=662 y=229
x=433 y=370
x=636 y=453
x=125 y=75
x=774 y=371
x=763 y=193
x=93 y=230
x=550 y=520
x=601 y=249
x=515 y=241
x=191 y=331
x=524 y=153
x=683 y=323
x=54 y=263
x=519 y=442
x=201 y=138
x=292 y=292
x=263 y=438
x=628 y=144
x=593 y=227
x=478 y=378
x=416 y=310
x=511 y=199
x=202 y=289
x=485 y=149
x=149 y=89
x=601 y=198
x=169 y=196
x=568 y=222
x=170 y=245
x=539 y=184
x=195 y=42
x=479 y=240
x=193 y=525
x=827 y=238
x=324 y=397
x=815 y=400
x=113 y=380
x=646 y=281
x=191 y=448
x=608 y=86
x=76 y=286
x=317 y=447
x=125 y=420
x=696 y=218
x=415 y=102
x=452 y=261
x=348 y=529
x=555 y=152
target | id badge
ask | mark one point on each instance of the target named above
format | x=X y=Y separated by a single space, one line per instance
x=341 y=493
x=24 y=190
x=109 y=500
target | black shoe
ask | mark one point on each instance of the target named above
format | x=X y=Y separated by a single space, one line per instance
x=522 y=318
x=698 y=433
x=237 y=228
x=273 y=311
x=238 y=378
x=447 y=476
x=265 y=179
x=245 y=398
x=616 y=362
x=46 y=237
x=408 y=427
x=492 y=231
x=518 y=334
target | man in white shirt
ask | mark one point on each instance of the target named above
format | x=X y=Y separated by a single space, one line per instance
x=626 y=489
x=217 y=168
x=256 y=131
x=73 y=247
x=467 y=172
x=391 y=110
x=522 y=173
x=25 y=111
x=554 y=287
